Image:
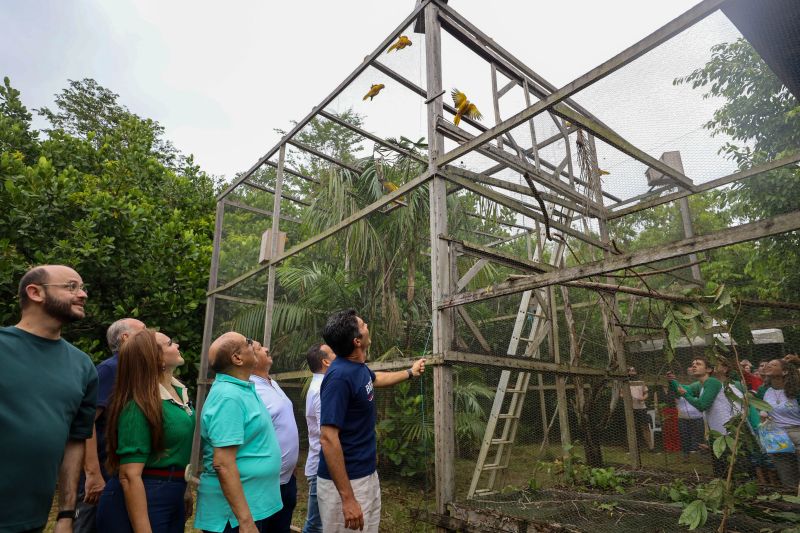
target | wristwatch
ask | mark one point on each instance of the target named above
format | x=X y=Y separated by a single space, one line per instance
x=410 y=373
x=69 y=513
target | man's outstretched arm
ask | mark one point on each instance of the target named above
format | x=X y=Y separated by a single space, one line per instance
x=387 y=379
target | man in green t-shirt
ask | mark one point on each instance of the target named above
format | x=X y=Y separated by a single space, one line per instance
x=47 y=402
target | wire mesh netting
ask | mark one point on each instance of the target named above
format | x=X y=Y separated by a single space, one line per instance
x=564 y=417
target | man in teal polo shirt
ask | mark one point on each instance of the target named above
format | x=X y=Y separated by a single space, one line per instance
x=240 y=483
x=47 y=402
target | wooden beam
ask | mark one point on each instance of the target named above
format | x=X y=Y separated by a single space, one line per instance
x=442 y=272
x=260 y=211
x=661 y=35
x=743 y=233
x=496 y=256
x=522 y=166
x=237 y=299
x=518 y=206
x=517 y=188
x=478 y=41
x=275 y=232
x=713 y=184
x=272 y=191
x=295 y=173
x=471 y=273
x=208 y=331
x=476 y=332
x=480 y=127
x=371 y=137
x=405 y=82
x=529 y=365
x=328 y=99
x=617 y=141
x=322 y=155
x=378 y=366
x=352 y=219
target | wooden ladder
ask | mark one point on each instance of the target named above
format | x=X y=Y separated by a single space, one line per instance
x=495 y=454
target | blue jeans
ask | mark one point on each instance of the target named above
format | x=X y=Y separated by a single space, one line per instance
x=281 y=521
x=313 y=519
x=165 y=507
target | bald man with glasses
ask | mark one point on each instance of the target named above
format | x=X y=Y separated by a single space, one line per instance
x=240 y=483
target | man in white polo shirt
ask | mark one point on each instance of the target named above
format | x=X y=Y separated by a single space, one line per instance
x=319 y=358
x=280 y=409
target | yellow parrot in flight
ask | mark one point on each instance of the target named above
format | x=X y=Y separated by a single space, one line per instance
x=401 y=43
x=374 y=89
x=464 y=107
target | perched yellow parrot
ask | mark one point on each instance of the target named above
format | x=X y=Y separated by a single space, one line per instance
x=464 y=107
x=401 y=43
x=374 y=89
x=390 y=187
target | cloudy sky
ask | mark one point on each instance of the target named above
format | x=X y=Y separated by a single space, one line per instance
x=220 y=76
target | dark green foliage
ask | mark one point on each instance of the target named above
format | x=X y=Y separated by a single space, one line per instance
x=99 y=194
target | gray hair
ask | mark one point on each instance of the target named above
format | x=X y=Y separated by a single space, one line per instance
x=116 y=331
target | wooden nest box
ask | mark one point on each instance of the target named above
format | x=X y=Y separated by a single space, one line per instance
x=656 y=178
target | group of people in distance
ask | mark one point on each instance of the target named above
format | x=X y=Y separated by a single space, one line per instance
x=116 y=440
x=703 y=404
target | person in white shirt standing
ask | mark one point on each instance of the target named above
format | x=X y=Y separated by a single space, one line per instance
x=282 y=412
x=319 y=358
x=640 y=394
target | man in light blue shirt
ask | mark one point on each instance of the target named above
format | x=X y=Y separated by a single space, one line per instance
x=319 y=357
x=240 y=484
x=280 y=409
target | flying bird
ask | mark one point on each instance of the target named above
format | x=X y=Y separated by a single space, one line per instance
x=374 y=89
x=401 y=43
x=464 y=107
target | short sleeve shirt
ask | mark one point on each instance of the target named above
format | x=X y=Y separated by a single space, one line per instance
x=48 y=390
x=347 y=398
x=312 y=421
x=134 y=442
x=282 y=413
x=234 y=415
x=106 y=375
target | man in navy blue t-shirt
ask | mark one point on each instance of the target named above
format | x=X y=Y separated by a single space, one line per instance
x=348 y=490
x=94 y=475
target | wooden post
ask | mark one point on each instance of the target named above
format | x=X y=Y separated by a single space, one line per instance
x=614 y=334
x=276 y=218
x=496 y=103
x=561 y=389
x=441 y=282
x=203 y=381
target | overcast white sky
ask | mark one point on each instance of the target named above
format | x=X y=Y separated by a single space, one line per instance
x=221 y=75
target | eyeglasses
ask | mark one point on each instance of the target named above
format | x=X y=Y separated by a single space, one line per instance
x=71 y=286
x=248 y=342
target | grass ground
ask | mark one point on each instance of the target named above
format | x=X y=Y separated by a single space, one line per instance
x=400 y=496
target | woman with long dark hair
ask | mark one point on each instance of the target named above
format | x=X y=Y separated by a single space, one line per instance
x=781 y=391
x=149 y=436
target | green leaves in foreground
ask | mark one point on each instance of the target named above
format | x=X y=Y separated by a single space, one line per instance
x=694 y=515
